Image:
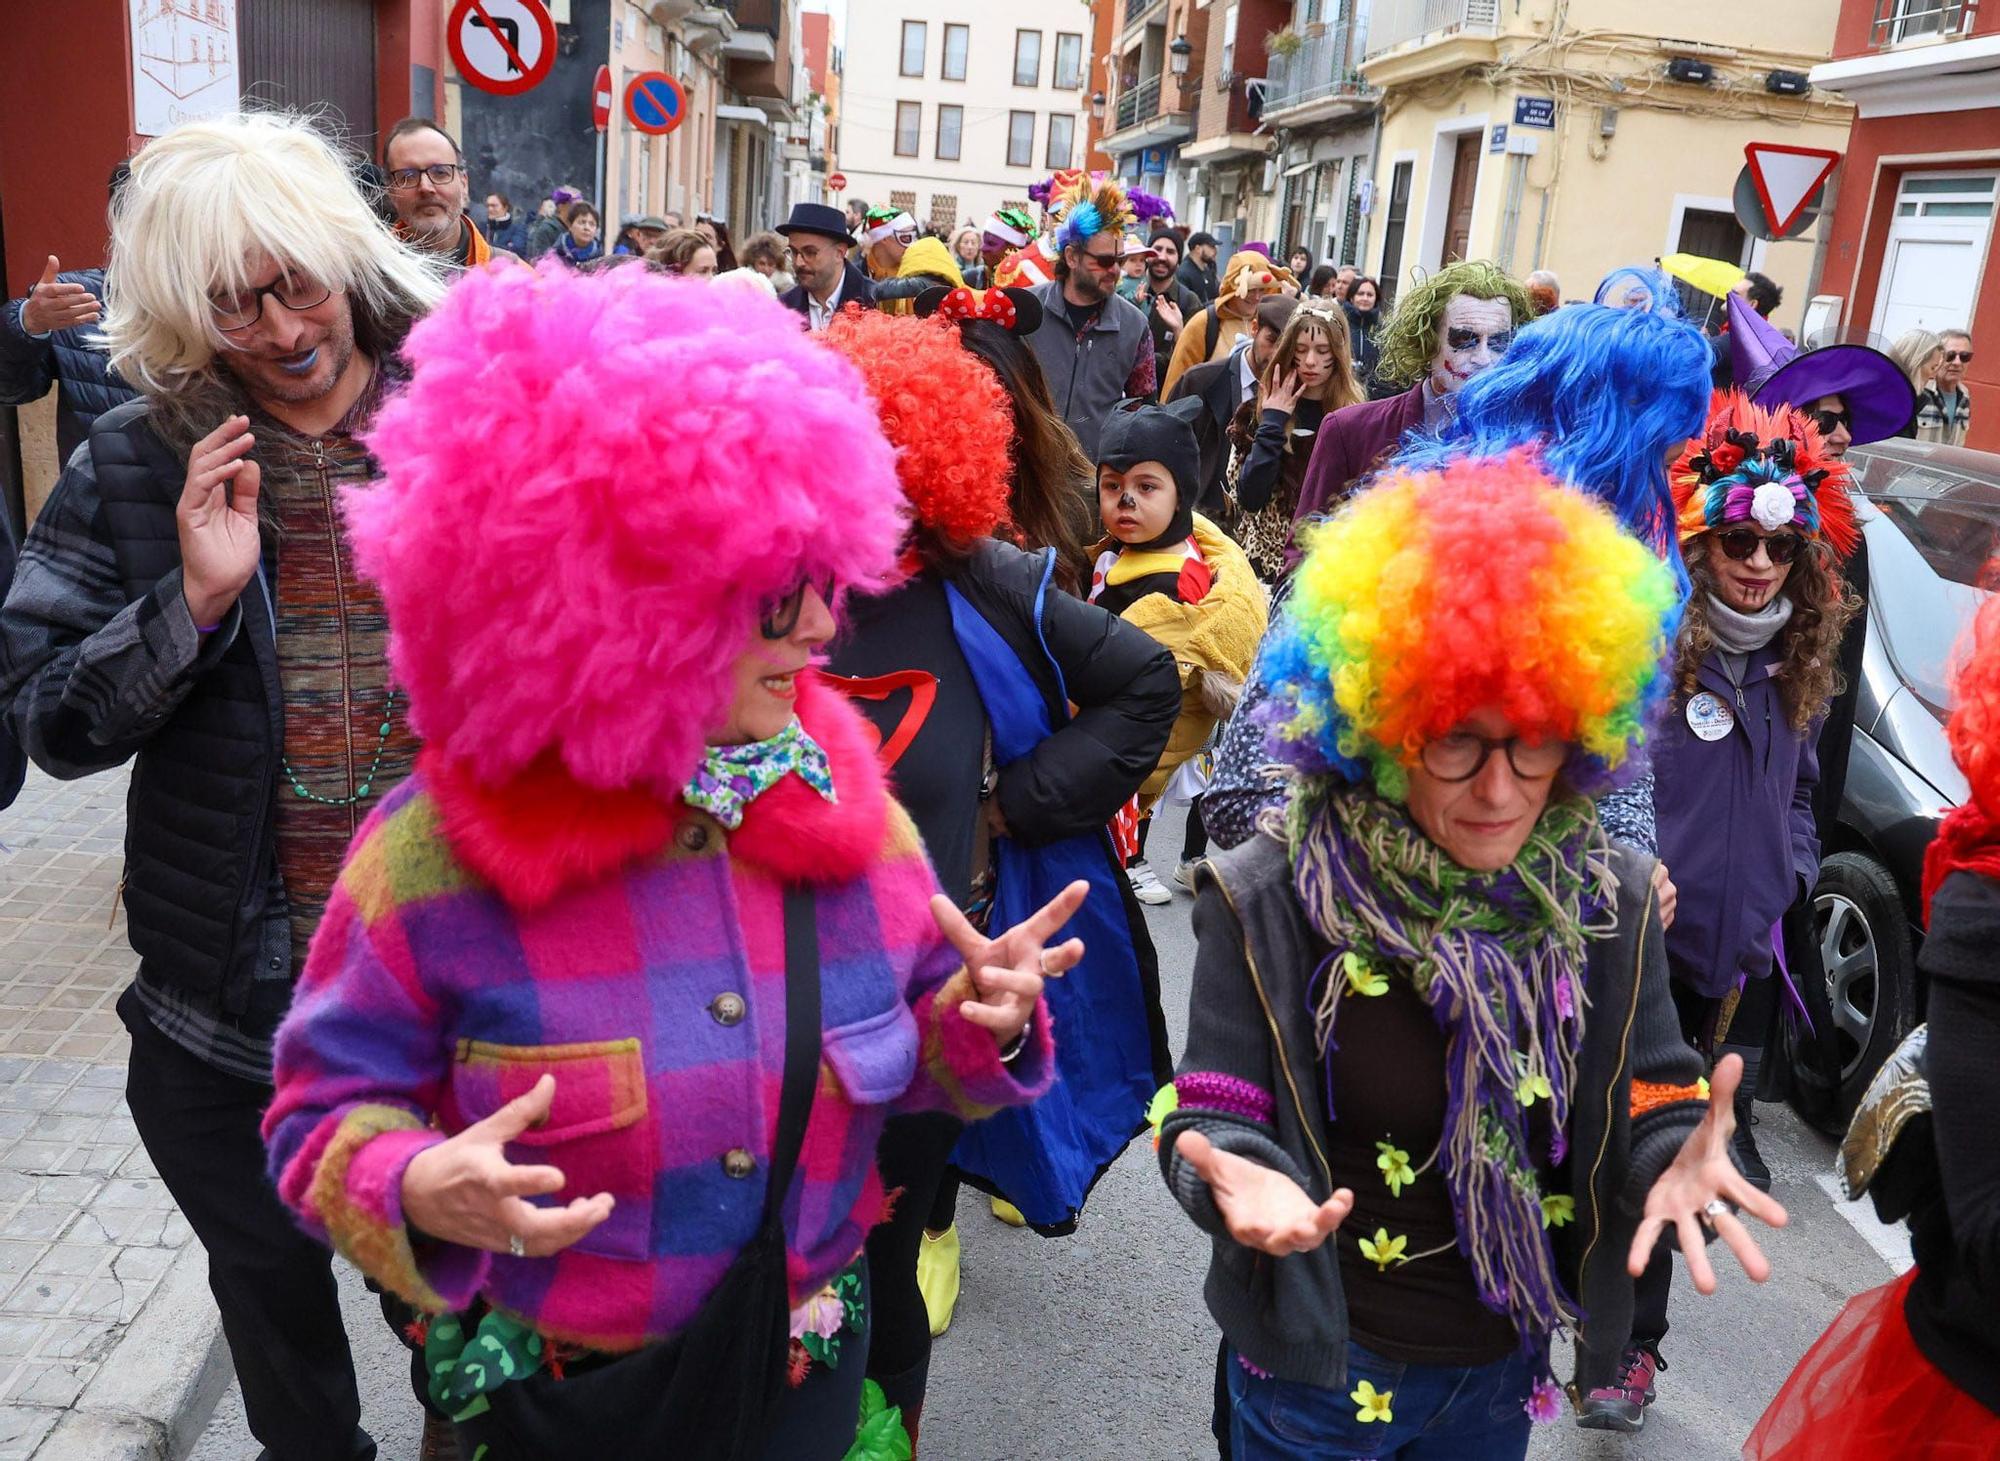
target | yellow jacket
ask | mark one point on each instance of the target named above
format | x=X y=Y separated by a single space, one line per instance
x=1220 y=633
x=925 y=256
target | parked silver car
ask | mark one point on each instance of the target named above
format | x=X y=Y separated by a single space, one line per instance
x=1931 y=516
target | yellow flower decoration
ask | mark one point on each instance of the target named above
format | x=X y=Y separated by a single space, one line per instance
x=1360 y=978
x=1373 y=1403
x=1533 y=1088
x=1702 y=1086
x=1558 y=1210
x=1383 y=1250
x=1395 y=1165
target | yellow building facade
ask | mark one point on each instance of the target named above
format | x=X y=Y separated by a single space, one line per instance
x=1551 y=135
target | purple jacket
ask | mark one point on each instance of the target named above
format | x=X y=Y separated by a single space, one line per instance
x=1353 y=442
x=1735 y=825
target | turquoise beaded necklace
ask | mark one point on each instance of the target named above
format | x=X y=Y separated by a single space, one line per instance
x=361 y=792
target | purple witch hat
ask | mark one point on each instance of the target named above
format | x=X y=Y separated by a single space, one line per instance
x=1772 y=371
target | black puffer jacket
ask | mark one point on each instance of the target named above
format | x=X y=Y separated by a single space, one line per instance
x=86 y=386
x=13 y=760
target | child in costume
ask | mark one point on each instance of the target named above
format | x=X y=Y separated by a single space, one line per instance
x=1013 y=720
x=590 y=1055
x=1913 y=1367
x=1764 y=519
x=1174 y=574
x=1432 y=1069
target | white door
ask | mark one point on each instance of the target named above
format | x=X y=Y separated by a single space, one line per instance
x=1936 y=249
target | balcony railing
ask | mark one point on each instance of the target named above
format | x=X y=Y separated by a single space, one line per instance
x=1320 y=69
x=1139 y=103
x=1396 y=21
x=1897 y=21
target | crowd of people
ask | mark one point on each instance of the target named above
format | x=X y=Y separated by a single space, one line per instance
x=619 y=901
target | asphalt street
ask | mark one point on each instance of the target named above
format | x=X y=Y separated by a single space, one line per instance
x=1098 y=1346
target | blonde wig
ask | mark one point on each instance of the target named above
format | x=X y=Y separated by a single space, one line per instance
x=212 y=203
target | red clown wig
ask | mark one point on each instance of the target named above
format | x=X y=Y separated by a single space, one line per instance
x=1969 y=838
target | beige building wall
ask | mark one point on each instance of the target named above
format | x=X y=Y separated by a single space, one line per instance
x=646 y=174
x=1626 y=168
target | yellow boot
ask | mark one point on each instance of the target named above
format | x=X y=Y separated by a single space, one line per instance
x=937 y=1277
x=1008 y=1213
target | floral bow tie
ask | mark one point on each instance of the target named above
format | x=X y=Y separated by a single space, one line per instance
x=731 y=777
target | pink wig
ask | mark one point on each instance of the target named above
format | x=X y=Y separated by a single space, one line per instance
x=591 y=486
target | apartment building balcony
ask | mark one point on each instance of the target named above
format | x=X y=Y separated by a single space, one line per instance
x=759 y=55
x=1412 y=39
x=1146 y=115
x=1318 y=82
x=1138 y=15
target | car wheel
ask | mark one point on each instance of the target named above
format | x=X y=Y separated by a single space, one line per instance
x=1864 y=945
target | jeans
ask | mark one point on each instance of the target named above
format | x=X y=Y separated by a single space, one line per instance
x=273 y=1284
x=1438 y=1413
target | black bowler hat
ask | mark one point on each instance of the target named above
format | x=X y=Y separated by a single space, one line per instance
x=817 y=218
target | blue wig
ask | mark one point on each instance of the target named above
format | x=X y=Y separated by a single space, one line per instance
x=1605 y=394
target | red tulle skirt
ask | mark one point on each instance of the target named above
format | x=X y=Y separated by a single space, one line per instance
x=1864 y=1391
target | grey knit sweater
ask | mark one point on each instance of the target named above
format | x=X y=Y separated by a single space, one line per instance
x=1249 y=1023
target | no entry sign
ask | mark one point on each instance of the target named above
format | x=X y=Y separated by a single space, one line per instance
x=502 y=46
x=837 y=183
x=654 y=102
x=600 y=99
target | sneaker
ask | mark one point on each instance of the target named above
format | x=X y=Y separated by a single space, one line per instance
x=1184 y=877
x=1008 y=1213
x=1621 y=1405
x=1147 y=888
x=937 y=1277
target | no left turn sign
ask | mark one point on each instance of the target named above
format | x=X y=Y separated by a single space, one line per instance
x=502 y=46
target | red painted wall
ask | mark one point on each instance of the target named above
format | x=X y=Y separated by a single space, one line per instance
x=1861 y=231
x=65 y=121
x=1854 y=32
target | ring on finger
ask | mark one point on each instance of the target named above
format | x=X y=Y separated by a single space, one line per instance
x=515 y=1246
x=1714 y=1208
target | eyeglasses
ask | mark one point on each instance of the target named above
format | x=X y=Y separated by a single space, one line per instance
x=1958 y=357
x=296 y=295
x=1462 y=755
x=1741 y=544
x=1828 y=420
x=440 y=174
x=780 y=616
x=811 y=254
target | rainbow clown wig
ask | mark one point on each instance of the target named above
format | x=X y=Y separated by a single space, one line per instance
x=1481 y=582
x=591 y=488
x=1769 y=467
x=947 y=415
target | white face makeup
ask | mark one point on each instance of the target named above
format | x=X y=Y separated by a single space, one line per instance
x=1473 y=334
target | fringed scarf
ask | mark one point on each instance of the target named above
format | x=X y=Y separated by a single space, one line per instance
x=1499 y=959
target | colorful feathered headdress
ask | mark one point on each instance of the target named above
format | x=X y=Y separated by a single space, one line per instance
x=1482 y=582
x=1764 y=466
x=1089 y=207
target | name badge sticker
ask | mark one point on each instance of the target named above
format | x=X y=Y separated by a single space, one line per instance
x=1709 y=718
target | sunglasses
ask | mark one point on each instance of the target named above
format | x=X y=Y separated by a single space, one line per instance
x=1959 y=357
x=1827 y=420
x=780 y=616
x=1741 y=544
x=1103 y=261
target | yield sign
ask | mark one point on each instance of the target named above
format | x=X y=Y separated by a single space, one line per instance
x=502 y=46
x=1786 y=178
x=600 y=99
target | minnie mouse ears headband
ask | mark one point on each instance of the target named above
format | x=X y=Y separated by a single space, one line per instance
x=1014 y=310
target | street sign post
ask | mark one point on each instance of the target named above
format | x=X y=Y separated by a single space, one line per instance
x=1786 y=178
x=600 y=99
x=1750 y=210
x=837 y=183
x=502 y=46
x=655 y=103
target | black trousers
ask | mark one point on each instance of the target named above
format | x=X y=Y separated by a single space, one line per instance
x=914 y=1155
x=273 y=1284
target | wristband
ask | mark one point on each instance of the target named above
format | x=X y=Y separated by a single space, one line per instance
x=1020 y=1043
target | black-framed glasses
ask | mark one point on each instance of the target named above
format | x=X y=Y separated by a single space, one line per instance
x=1958 y=357
x=441 y=175
x=1828 y=420
x=245 y=309
x=780 y=616
x=1461 y=755
x=1741 y=545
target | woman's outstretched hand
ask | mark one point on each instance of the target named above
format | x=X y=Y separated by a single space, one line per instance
x=1007 y=971
x=465 y=1191
x=1265 y=1210
x=1702 y=1173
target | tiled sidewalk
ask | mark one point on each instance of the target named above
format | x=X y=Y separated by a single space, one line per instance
x=87 y=1230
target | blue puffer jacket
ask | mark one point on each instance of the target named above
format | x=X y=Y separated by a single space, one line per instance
x=1735 y=823
x=85 y=386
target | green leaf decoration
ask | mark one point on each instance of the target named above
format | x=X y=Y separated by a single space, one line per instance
x=880 y=1435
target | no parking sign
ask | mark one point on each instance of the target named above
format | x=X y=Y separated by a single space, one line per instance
x=654 y=102
x=502 y=46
